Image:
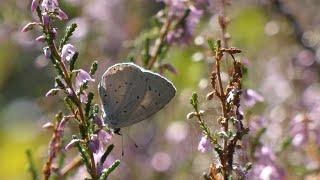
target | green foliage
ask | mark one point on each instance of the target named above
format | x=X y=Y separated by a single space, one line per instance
x=94 y=67
x=194 y=101
x=31 y=166
x=69 y=32
x=106 y=172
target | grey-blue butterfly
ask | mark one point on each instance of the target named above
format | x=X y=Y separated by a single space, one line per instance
x=130 y=94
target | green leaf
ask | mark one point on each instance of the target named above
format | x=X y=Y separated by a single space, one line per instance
x=73 y=60
x=145 y=52
x=88 y=104
x=194 y=100
x=286 y=143
x=106 y=153
x=212 y=45
x=93 y=68
x=31 y=167
x=107 y=172
x=69 y=31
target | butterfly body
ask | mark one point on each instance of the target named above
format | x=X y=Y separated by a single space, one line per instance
x=130 y=94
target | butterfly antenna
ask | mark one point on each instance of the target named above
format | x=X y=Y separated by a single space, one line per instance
x=135 y=144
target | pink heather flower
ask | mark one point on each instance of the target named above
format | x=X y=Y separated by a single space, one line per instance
x=49 y=5
x=104 y=137
x=82 y=77
x=67 y=52
x=34 y=5
x=265 y=168
x=94 y=143
x=300 y=130
x=98 y=121
x=204 y=144
x=45 y=19
x=71 y=144
x=62 y=15
x=251 y=97
x=161 y=161
x=54 y=32
x=84 y=97
x=41 y=38
x=52 y=92
x=28 y=26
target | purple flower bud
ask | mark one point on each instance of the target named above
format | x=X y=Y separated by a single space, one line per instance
x=54 y=33
x=99 y=121
x=94 y=143
x=72 y=144
x=84 y=97
x=104 y=137
x=61 y=15
x=34 y=5
x=67 y=52
x=82 y=77
x=45 y=19
x=204 y=144
x=29 y=26
x=52 y=92
x=49 y=5
x=41 y=38
x=251 y=97
x=47 y=52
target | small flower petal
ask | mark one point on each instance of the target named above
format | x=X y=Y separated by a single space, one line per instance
x=41 y=38
x=204 y=144
x=72 y=144
x=28 y=26
x=52 y=92
x=34 y=5
x=67 y=52
x=62 y=15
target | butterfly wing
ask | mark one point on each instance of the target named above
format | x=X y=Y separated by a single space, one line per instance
x=159 y=91
x=121 y=90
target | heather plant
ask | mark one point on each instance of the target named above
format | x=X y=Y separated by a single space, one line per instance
x=253 y=65
x=73 y=85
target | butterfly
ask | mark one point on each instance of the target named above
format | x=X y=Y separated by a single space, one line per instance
x=130 y=94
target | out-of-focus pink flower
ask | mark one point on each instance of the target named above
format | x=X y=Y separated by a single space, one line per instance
x=305 y=58
x=161 y=161
x=251 y=97
x=68 y=52
x=265 y=168
x=204 y=144
x=256 y=123
x=34 y=5
x=300 y=130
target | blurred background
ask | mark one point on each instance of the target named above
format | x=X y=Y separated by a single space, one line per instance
x=281 y=48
